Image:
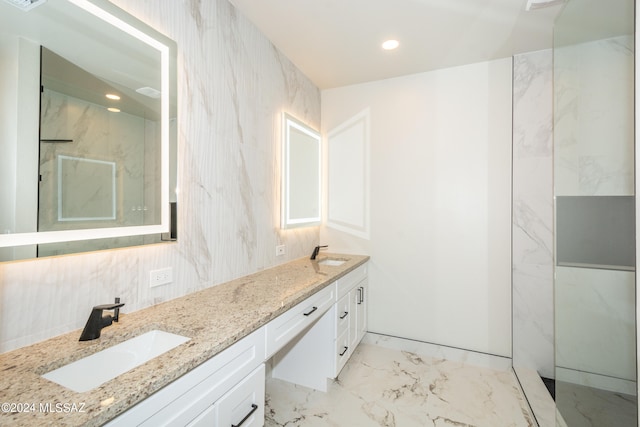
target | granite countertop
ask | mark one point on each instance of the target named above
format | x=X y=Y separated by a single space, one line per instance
x=214 y=319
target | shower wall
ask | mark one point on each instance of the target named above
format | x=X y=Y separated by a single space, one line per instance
x=594 y=160
x=532 y=241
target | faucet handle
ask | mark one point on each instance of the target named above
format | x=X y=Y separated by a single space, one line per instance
x=316 y=250
x=96 y=321
x=115 y=307
x=108 y=306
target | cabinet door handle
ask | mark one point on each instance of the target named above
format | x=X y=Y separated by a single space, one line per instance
x=312 y=310
x=254 y=407
x=344 y=351
x=346 y=313
x=360 y=295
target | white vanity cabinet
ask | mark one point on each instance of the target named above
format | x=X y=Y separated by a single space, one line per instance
x=307 y=345
x=240 y=406
x=351 y=315
x=320 y=347
x=223 y=388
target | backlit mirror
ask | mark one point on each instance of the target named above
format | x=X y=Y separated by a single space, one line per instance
x=87 y=129
x=301 y=174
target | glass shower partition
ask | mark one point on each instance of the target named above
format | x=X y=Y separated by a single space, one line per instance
x=595 y=309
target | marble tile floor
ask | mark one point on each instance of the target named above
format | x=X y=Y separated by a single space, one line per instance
x=385 y=387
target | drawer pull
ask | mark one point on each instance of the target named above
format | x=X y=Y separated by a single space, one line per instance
x=344 y=351
x=312 y=310
x=254 y=407
x=346 y=313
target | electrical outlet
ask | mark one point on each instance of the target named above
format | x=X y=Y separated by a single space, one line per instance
x=160 y=277
x=280 y=250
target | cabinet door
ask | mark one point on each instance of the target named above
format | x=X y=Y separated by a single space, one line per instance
x=244 y=404
x=342 y=351
x=361 y=311
x=354 y=303
x=343 y=308
x=349 y=281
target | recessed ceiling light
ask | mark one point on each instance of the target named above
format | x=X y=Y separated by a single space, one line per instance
x=539 y=4
x=113 y=96
x=390 y=44
x=149 y=91
x=113 y=110
x=25 y=4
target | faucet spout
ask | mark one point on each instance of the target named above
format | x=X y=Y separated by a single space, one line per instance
x=97 y=321
x=316 y=250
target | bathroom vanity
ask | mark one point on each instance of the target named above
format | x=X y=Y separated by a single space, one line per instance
x=303 y=318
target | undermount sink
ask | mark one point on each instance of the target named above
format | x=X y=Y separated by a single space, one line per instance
x=333 y=262
x=92 y=371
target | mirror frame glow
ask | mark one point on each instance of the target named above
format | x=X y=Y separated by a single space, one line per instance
x=288 y=123
x=109 y=13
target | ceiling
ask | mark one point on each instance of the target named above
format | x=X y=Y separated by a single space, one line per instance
x=337 y=42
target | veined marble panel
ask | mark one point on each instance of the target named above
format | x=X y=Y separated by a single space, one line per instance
x=384 y=387
x=532 y=240
x=533 y=314
x=595 y=329
x=233 y=86
x=594 y=120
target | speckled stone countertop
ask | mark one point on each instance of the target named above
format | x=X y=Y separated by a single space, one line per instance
x=214 y=319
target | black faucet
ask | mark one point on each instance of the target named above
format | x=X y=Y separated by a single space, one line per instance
x=97 y=321
x=316 y=250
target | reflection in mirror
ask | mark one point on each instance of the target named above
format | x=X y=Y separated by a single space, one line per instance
x=301 y=174
x=88 y=130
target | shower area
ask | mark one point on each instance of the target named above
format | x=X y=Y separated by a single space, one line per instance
x=594 y=210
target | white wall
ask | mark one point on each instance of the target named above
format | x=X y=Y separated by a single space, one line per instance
x=440 y=203
x=233 y=87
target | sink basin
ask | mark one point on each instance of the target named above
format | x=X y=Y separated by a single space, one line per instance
x=92 y=371
x=333 y=262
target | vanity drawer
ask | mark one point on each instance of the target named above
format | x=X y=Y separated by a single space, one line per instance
x=342 y=352
x=244 y=404
x=343 y=313
x=345 y=283
x=284 y=328
x=190 y=395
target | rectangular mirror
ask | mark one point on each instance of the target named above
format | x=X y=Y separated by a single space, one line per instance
x=301 y=174
x=87 y=129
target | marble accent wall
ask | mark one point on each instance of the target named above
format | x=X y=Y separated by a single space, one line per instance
x=594 y=156
x=594 y=150
x=233 y=87
x=532 y=246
